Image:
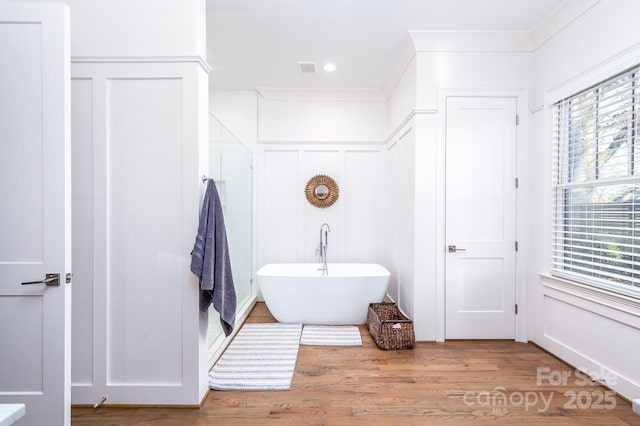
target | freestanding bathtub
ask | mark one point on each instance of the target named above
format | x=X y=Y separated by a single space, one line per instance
x=299 y=293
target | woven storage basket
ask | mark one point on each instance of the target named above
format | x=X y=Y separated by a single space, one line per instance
x=389 y=328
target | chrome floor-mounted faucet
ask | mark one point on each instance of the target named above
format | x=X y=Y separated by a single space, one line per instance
x=323 y=247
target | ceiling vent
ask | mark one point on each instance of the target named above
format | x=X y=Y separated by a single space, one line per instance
x=306 y=67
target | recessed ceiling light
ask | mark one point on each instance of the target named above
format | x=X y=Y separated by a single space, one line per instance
x=329 y=67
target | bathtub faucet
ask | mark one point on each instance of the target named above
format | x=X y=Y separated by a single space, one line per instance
x=323 y=247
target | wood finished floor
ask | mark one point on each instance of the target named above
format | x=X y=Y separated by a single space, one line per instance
x=453 y=382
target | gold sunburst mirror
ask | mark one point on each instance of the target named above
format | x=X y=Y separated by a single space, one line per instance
x=322 y=191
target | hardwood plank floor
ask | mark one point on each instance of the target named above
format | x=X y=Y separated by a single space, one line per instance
x=457 y=382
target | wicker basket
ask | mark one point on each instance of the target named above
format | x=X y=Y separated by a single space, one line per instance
x=389 y=328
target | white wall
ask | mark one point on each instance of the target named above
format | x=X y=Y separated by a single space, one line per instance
x=305 y=133
x=139 y=114
x=484 y=70
x=403 y=98
x=288 y=226
x=137 y=132
x=589 y=329
x=342 y=116
x=143 y=28
x=238 y=111
x=401 y=217
x=445 y=64
x=583 y=43
x=341 y=137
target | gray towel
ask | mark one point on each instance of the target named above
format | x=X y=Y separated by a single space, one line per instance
x=210 y=261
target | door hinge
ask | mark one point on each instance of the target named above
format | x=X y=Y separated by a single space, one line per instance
x=516 y=309
x=517 y=119
x=517 y=183
x=516 y=246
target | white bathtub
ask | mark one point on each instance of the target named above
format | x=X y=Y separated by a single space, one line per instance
x=299 y=293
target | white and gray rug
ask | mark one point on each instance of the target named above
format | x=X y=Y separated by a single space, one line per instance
x=331 y=335
x=260 y=357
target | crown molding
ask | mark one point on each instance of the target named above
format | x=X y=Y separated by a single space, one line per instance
x=405 y=54
x=325 y=143
x=559 y=19
x=348 y=95
x=472 y=41
x=142 y=60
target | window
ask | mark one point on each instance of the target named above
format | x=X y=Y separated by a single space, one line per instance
x=596 y=178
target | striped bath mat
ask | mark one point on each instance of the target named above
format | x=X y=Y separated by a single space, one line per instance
x=331 y=335
x=260 y=357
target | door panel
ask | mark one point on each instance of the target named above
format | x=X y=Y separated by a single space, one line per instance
x=25 y=147
x=480 y=218
x=25 y=352
x=34 y=231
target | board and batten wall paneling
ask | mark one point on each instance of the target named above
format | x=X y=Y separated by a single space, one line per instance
x=363 y=223
x=585 y=327
x=82 y=373
x=577 y=327
x=400 y=210
x=137 y=134
x=144 y=177
x=314 y=162
x=289 y=227
x=278 y=209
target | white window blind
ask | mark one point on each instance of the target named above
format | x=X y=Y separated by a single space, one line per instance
x=596 y=205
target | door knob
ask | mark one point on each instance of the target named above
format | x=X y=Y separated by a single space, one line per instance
x=51 y=280
x=453 y=249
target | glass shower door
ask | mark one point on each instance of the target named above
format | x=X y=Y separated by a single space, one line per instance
x=230 y=165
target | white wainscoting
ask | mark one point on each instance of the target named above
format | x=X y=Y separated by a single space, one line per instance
x=82 y=215
x=145 y=240
x=584 y=327
x=400 y=207
x=595 y=331
x=137 y=135
x=288 y=226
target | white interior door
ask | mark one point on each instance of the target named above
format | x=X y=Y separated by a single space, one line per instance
x=480 y=218
x=35 y=211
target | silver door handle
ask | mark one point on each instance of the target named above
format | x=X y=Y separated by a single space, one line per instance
x=453 y=249
x=51 y=280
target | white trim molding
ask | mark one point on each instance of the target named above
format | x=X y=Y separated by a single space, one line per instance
x=142 y=60
x=472 y=41
x=522 y=99
x=567 y=13
x=618 y=63
x=316 y=142
x=592 y=329
x=412 y=114
x=318 y=95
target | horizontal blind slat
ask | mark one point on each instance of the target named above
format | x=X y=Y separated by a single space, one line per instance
x=596 y=200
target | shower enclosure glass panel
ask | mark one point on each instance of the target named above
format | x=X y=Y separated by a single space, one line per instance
x=230 y=165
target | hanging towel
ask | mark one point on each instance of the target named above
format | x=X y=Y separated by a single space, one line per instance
x=210 y=261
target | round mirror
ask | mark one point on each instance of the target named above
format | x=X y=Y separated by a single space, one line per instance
x=321 y=191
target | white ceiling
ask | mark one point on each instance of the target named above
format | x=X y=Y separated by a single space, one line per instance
x=257 y=43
